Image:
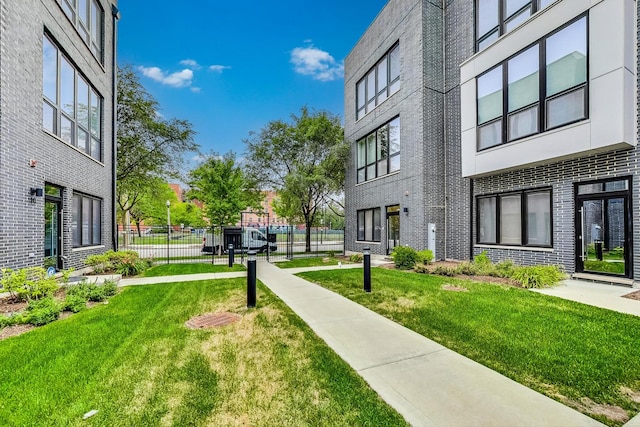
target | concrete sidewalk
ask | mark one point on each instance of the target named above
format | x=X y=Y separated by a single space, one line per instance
x=181 y=278
x=427 y=383
x=596 y=294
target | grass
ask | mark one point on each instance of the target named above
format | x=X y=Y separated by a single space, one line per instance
x=177 y=269
x=574 y=353
x=135 y=362
x=604 y=267
x=310 y=262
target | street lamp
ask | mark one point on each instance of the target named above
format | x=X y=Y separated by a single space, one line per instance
x=168 y=228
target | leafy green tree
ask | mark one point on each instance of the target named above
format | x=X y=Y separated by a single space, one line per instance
x=152 y=205
x=149 y=146
x=224 y=189
x=189 y=214
x=304 y=161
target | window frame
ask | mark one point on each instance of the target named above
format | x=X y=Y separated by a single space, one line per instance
x=361 y=219
x=94 y=136
x=376 y=162
x=543 y=98
x=380 y=94
x=524 y=217
x=503 y=20
x=86 y=32
x=77 y=227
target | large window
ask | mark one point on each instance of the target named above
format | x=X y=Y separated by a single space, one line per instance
x=369 y=225
x=378 y=153
x=86 y=221
x=520 y=219
x=379 y=83
x=540 y=88
x=71 y=107
x=496 y=17
x=88 y=18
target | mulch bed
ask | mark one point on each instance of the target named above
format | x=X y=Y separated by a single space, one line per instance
x=633 y=295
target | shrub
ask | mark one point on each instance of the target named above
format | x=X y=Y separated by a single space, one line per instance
x=404 y=257
x=355 y=258
x=14 y=319
x=74 y=303
x=109 y=288
x=421 y=268
x=331 y=254
x=29 y=283
x=424 y=257
x=43 y=311
x=538 y=276
x=444 y=271
x=93 y=292
x=99 y=262
x=466 y=268
x=505 y=268
x=131 y=266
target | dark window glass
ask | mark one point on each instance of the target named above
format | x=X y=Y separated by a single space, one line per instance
x=379 y=83
x=369 y=225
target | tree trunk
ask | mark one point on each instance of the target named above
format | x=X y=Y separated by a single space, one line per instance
x=307 y=236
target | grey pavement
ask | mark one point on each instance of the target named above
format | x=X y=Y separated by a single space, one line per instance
x=425 y=382
x=596 y=294
x=181 y=278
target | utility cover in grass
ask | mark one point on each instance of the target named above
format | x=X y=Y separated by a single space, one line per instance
x=212 y=320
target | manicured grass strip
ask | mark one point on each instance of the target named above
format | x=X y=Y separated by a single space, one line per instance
x=310 y=262
x=135 y=362
x=177 y=269
x=566 y=350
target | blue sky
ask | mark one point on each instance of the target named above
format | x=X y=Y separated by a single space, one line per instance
x=230 y=67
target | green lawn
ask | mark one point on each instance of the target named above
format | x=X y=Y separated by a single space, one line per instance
x=135 y=362
x=310 y=262
x=566 y=350
x=176 y=269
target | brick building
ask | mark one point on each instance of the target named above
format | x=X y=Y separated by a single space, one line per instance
x=57 y=64
x=507 y=127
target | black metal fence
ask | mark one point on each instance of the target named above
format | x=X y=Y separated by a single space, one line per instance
x=177 y=244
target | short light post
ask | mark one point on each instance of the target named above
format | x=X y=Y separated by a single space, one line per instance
x=168 y=229
x=366 y=253
x=251 y=279
x=231 y=255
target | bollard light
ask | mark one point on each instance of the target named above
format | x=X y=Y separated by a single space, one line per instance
x=231 y=255
x=366 y=255
x=251 y=279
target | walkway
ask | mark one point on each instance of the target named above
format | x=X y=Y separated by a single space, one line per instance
x=427 y=383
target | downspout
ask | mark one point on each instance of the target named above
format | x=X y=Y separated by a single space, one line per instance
x=115 y=15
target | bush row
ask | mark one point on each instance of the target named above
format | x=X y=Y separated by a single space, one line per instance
x=537 y=276
x=127 y=263
x=47 y=309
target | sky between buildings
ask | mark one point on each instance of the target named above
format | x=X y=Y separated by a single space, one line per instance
x=229 y=67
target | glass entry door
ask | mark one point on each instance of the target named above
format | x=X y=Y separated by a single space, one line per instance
x=602 y=234
x=393 y=227
x=53 y=227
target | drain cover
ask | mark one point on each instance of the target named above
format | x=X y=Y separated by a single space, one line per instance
x=212 y=320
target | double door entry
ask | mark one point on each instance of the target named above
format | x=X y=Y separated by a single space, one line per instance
x=603 y=227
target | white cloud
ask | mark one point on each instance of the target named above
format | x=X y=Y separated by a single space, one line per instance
x=218 y=68
x=178 y=79
x=192 y=63
x=311 y=61
x=195 y=89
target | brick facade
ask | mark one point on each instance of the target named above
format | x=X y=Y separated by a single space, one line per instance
x=22 y=137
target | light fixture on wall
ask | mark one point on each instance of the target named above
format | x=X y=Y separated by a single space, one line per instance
x=35 y=192
x=405 y=210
